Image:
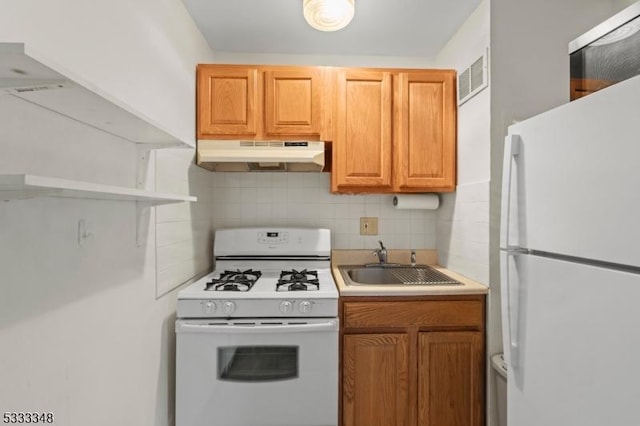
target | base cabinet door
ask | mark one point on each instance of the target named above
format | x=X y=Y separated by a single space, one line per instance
x=450 y=383
x=375 y=379
x=412 y=361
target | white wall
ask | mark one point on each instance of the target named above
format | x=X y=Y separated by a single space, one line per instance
x=83 y=331
x=463 y=220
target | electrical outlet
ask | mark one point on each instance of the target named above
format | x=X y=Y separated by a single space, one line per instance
x=368 y=226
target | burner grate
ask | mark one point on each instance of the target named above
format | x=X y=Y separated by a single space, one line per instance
x=294 y=280
x=234 y=281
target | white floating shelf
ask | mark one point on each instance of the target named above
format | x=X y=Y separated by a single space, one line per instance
x=23 y=186
x=34 y=79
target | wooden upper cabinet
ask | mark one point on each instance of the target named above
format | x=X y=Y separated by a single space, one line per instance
x=227 y=100
x=293 y=101
x=362 y=141
x=425 y=139
x=260 y=102
x=395 y=131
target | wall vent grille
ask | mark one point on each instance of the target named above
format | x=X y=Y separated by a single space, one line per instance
x=473 y=79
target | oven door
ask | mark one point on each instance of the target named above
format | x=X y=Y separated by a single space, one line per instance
x=257 y=372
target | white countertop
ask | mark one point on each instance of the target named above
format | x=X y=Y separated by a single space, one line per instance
x=424 y=257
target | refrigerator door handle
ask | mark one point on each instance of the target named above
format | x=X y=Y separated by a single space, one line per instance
x=511 y=309
x=512 y=145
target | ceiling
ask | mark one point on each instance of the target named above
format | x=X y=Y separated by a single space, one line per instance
x=409 y=28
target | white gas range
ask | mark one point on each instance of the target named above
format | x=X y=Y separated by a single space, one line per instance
x=262 y=327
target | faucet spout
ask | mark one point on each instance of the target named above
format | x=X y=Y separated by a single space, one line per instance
x=381 y=253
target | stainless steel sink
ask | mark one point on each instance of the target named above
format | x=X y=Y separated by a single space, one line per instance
x=394 y=275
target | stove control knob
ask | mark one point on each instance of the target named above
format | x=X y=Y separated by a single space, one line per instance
x=286 y=307
x=228 y=307
x=208 y=307
x=305 y=307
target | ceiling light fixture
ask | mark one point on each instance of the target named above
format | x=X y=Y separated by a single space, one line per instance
x=328 y=15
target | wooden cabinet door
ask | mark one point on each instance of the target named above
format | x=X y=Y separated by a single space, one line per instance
x=425 y=131
x=362 y=142
x=293 y=101
x=450 y=379
x=227 y=101
x=375 y=380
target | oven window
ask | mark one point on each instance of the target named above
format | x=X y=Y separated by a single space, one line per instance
x=257 y=363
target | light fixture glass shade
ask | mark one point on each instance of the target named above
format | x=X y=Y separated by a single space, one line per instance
x=328 y=15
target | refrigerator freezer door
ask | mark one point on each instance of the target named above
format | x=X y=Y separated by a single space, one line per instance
x=576 y=178
x=578 y=343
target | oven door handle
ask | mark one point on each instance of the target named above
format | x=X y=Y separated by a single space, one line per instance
x=187 y=327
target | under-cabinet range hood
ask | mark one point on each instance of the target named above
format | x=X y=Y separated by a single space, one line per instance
x=260 y=156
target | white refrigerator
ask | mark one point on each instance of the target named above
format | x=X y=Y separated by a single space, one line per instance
x=570 y=263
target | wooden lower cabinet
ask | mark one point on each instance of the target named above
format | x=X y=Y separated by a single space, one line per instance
x=375 y=384
x=415 y=363
x=450 y=379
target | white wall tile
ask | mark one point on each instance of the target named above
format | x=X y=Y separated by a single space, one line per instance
x=386 y=226
x=418 y=225
x=322 y=195
x=402 y=226
x=304 y=199
x=372 y=210
x=264 y=195
x=294 y=180
x=280 y=180
x=403 y=240
x=341 y=211
x=298 y=195
x=265 y=180
x=309 y=180
x=248 y=195
x=356 y=211
x=183 y=230
x=248 y=180
x=462 y=231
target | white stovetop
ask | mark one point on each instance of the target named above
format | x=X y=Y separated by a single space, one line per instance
x=264 y=288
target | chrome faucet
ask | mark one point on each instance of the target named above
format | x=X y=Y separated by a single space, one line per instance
x=381 y=253
x=413 y=258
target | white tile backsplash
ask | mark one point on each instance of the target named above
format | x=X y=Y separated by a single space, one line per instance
x=183 y=230
x=462 y=231
x=304 y=199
